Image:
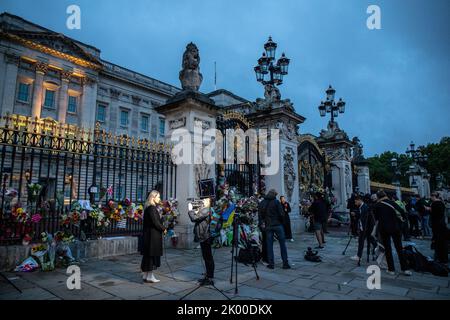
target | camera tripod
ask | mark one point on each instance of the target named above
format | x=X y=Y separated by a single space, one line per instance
x=367 y=237
x=235 y=253
x=200 y=286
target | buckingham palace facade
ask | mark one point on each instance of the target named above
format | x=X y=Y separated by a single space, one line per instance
x=45 y=74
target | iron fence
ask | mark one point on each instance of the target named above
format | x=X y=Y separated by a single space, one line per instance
x=71 y=163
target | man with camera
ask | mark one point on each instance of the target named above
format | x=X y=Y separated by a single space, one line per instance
x=202 y=234
x=366 y=223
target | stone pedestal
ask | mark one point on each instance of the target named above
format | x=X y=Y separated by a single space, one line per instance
x=285 y=180
x=187 y=115
x=337 y=148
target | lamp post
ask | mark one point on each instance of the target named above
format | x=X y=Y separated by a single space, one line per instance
x=267 y=71
x=396 y=180
x=330 y=106
x=419 y=160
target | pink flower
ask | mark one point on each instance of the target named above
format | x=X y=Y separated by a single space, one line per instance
x=36 y=218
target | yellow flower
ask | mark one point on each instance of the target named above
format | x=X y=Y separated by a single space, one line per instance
x=19 y=210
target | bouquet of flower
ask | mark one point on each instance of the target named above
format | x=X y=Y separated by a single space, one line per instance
x=100 y=219
x=135 y=212
x=34 y=190
x=170 y=213
x=19 y=213
x=64 y=253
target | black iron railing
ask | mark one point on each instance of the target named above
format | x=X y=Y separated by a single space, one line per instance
x=70 y=164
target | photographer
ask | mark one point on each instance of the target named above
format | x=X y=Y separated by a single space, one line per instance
x=365 y=225
x=202 y=234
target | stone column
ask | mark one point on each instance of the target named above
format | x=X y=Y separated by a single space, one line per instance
x=63 y=96
x=88 y=103
x=341 y=183
x=184 y=114
x=38 y=92
x=363 y=179
x=9 y=85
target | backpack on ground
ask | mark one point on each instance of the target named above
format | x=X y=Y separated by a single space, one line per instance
x=414 y=259
x=438 y=269
x=312 y=256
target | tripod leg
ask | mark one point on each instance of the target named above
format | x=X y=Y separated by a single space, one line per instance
x=348 y=243
x=232 y=260
x=195 y=289
x=256 y=272
x=221 y=292
x=9 y=281
x=236 y=276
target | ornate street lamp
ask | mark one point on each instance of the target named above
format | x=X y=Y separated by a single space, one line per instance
x=330 y=106
x=268 y=66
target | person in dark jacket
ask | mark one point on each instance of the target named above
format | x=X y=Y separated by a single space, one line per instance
x=202 y=234
x=287 y=219
x=439 y=228
x=351 y=206
x=152 y=238
x=366 y=222
x=320 y=214
x=390 y=226
x=271 y=220
x=413 y=217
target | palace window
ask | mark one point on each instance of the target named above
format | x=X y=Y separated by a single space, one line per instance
x=72 y=107
x=49 y=100
x=101 y=113
x=162 y=126
x=23 y=93
x=144 y=123
x=124 y=118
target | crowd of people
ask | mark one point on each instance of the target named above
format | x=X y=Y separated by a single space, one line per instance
x=379 y=219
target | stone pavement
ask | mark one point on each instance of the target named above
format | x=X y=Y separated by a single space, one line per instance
x=337 y=277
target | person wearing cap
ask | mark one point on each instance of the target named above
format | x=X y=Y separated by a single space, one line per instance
x=271 y=218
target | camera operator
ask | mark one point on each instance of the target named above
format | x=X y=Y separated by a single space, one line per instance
x=366 y=223
x=202 y=234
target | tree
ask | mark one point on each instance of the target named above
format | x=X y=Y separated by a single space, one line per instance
x=438 y=160
x=438 y=163
x=382 y=171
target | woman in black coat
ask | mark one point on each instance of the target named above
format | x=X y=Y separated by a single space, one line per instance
x=152 y=238
x=287 y=219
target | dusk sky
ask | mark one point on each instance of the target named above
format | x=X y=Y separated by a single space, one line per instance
x=395 y=80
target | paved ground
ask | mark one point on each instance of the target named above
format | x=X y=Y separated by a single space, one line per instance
x=337 y=277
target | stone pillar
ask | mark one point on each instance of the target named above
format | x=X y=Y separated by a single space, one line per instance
x=363 y=179
x=9 y=85
x=88 y=103
x=185 y=115
x=398 y=191
x=426 y=187
x=341 y=177
x=38 y=92
x=63 y=96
